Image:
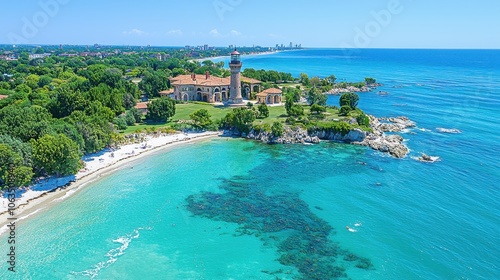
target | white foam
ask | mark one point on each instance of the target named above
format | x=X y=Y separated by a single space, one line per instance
x=448 y=130
x=30 y=214
x=112 y=254
x=5 y=228
x=66 y=195
x=358 y=224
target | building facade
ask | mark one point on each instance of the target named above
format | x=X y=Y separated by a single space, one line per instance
x=212 y=89
x=208 y=88
x=196 y=87
x=270 y=96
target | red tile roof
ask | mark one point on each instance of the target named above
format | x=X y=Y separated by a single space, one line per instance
x=273 y=91
x=200 y=80
x=167 y=91
x=141 y=105
x=250 y=80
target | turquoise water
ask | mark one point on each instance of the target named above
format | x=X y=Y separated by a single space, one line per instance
x=233 y=209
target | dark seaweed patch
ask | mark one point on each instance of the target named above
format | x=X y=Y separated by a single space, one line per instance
x=283 y=220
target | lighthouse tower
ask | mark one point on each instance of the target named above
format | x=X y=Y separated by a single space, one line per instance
x=235 y=88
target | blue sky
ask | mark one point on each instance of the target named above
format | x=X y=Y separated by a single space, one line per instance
x=313 y=23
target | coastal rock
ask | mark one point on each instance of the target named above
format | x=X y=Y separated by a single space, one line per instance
x=396 y=124
x=340 y=90
x=376 y=139
x=355 y=135
x=391 y=144
x=427 y=158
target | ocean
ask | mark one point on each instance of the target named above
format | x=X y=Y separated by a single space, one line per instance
x=238 y=209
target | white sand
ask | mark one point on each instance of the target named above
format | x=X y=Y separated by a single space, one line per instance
x=95 y=165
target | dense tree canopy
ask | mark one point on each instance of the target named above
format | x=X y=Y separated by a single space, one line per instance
x=240 y=119
x=56 y=155
x=161 y=109
x=154 y=82
x=315 y=96
x=349 y=99
x=267 y=76
x=12 y=170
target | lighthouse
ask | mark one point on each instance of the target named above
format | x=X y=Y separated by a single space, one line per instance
x=235 y=88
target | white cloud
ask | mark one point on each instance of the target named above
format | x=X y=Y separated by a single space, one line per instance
x=135 y=31
x=235 y=33
x=175 y=32
x=214 y=33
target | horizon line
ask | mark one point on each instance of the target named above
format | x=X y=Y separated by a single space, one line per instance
x=258 y=46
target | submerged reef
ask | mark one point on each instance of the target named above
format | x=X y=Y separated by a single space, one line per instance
x=283 y=220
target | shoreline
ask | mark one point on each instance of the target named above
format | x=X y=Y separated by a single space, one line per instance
x=227 y=56
x=34 y=201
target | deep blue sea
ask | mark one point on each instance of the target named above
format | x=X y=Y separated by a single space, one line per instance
x=238 y=209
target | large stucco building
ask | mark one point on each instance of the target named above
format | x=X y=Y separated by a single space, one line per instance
x=208 y=88
x=230 y=90
x=213 y=89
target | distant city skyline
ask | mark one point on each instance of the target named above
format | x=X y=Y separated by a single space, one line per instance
x=329 y=24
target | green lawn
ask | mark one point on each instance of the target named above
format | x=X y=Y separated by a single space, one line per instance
x=275 y=113
x=217 y=112
x=182 y=111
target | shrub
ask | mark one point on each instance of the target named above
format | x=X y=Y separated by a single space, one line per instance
x=363 y=119
x=277 y=129
x=258 y=128
x=120 y=122
x=341 y=127
x=317 y=109
x=370 y=81
x=263 y=110
x=344 y=110
x=296 y=111
x=290 y=120
x=201 y=118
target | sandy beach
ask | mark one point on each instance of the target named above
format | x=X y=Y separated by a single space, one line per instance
x=50 y=191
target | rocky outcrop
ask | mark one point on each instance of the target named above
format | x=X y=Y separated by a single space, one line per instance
x=365 y=88
x=377 y=139
x=392 y=144
x=427 y=158
x=289 y=136
x=396 y=124
x=340 y=90
x=355 y=135
x=302 y=136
